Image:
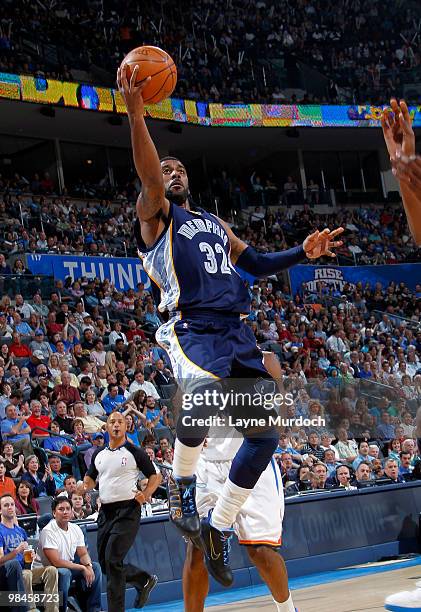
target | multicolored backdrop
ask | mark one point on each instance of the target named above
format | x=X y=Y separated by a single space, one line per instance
x=102 y=99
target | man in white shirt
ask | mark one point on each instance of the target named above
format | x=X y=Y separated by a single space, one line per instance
x=140 y=383
x=25 y=310
x=335 y=343
x=59 y=542
x=116 y=334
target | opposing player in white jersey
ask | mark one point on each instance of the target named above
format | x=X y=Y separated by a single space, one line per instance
x=258 y=525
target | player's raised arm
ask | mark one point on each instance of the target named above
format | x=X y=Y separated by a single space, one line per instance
x=261 y=265
x=406 y=166
x=152 y=199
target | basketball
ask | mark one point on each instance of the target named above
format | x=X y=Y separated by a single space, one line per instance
x=156 y=63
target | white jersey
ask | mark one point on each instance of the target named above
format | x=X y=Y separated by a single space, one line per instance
x=260 y=519
x=222 y=444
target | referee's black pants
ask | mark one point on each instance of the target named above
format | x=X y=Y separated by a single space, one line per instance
x=118 y=524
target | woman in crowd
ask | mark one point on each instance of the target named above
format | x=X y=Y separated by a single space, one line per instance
x=25 y=501
x=93 y=406
x=394 y=450
x=80 y=436
x=43 y=483
x=53 y=366
x=132 y=432
x=15 y=466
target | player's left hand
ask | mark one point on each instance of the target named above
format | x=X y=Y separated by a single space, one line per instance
x=319 y=244
x=397 y=130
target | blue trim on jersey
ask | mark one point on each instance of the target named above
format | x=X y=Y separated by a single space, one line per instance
x=272 y=462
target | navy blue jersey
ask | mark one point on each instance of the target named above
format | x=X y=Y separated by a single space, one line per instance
x=190 y=263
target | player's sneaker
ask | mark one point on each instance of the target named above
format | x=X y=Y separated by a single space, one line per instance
x=217 y=548
x=404 y=601
x=182 y=505
x=143 y=593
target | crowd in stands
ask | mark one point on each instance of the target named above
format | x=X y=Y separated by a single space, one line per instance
x=225 y=50
x=351 y=358
x=35 y=219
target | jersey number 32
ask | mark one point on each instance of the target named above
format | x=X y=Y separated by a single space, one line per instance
x=211 y=262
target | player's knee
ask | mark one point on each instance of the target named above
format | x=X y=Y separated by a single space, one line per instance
x=261 y=556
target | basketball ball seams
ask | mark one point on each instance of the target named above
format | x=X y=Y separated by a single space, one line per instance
x=155 y=73
x=160 y=89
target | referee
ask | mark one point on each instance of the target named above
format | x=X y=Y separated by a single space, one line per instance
x=116 y=467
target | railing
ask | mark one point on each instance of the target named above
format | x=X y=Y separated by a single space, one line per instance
x=398 y=320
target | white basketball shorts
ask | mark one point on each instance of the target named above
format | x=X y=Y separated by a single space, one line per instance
x=260 y=519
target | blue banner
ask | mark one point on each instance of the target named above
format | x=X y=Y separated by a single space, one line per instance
x=336 y=277
x=123 y=272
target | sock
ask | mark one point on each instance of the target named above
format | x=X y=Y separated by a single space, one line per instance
x=286 y=606
x=185 y=459
x=228 y=505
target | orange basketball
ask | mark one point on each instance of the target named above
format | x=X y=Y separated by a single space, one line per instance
x=156 y=63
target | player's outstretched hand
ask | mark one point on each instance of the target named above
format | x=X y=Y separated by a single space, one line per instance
x=397 y=130
x=319 y=244
x=131 y=93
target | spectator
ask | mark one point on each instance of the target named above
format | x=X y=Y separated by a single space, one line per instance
x=363 y=455
x=347 y=449
x=343 y=478
x=38 y=420
x=42 y=482
x=60 y=541
x=65 y=391
x=363 y=473
x=117 y=334
x=391 y=471
x=14 y=465
x=97 y=441
x=318 y=476
x=139 y=383
x=13 y=543
x=80 y=509
x=405 y=468
x=92 y=406
x=17 y=349
x=312 y=447
x=91 y=423
x=113 y=399
x=64 y=420
x=25 y=501
x=40 y=345
x=16 y=430
x=55 y=465
x=7 y=484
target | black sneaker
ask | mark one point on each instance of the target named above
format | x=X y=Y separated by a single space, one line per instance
x=182 y=505
x=217 y=548
x=143 y=594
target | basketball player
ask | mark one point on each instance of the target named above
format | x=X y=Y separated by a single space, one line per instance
x=406 y=166
x=258 y=525
x=190 y=256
